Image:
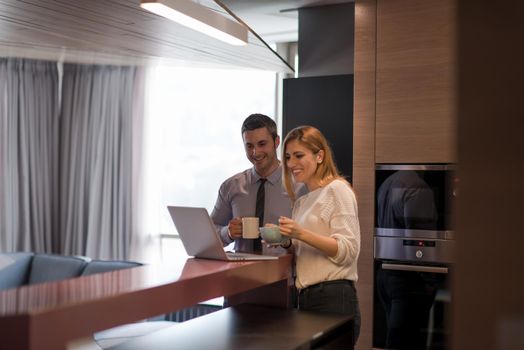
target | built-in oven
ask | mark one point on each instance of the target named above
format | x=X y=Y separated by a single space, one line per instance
x=414 y=254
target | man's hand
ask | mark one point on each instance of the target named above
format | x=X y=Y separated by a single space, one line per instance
x=235 y=228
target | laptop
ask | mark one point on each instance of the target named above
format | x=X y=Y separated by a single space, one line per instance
x=199 y=236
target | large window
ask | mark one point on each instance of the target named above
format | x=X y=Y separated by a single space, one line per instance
x=193 y=140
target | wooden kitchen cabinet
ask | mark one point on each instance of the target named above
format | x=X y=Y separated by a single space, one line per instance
x=415 y=87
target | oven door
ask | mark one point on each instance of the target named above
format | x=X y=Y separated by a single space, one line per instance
x=411 y=305
x=415 y=196
x=414 y=250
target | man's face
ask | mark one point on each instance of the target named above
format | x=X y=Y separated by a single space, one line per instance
x=261 y=150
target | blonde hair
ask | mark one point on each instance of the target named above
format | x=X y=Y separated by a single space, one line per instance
x=311 y=138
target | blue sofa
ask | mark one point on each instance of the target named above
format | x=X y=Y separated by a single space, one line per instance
x=25 y=268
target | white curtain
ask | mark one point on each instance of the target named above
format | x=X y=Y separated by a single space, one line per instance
x=68 y=177
x=29 y=117
x=101 y=108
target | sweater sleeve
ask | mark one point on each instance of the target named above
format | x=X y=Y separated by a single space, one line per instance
x=339 y=210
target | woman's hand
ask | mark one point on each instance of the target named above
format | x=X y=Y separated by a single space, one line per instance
x=289 y=228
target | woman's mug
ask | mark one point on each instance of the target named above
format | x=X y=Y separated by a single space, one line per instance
x=271 y=234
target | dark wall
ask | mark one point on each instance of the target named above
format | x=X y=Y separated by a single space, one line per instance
x=327 y=104
x=322 y=96
x=326 y=40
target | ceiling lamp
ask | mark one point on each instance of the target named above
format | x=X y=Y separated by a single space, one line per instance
x=200 y=18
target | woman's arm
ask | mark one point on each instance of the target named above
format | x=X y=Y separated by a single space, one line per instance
x=290 y=228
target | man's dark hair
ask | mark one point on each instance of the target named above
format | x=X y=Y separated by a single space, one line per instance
x=257 y=121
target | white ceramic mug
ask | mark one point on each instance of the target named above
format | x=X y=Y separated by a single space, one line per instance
x=250 y=227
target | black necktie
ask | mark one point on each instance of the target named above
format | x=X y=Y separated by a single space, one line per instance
x=259 y=212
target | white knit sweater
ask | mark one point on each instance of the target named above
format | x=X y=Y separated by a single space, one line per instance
x=330 y=211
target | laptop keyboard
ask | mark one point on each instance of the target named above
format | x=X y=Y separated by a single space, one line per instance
x=248 y=256
x=239 y=256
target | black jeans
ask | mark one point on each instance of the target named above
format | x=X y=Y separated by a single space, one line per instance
x=339 y=296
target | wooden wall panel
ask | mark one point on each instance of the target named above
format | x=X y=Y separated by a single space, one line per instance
x=488 y=307
x=364 y=156
x=415 y=81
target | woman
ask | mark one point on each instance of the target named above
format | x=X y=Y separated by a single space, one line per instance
x=324 y=227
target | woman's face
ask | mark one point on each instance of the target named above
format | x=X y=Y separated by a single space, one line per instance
x=302 y=163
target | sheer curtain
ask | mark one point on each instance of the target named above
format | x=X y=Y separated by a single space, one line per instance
x=68 y=178
x=29 y=116
x=101 y=109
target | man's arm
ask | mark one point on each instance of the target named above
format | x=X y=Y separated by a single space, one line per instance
x=222 y=214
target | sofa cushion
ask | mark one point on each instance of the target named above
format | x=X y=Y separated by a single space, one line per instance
x=14 y=269
x=47 y=268
x=98 y=266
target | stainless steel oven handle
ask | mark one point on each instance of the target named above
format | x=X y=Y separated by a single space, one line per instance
x=417 y=268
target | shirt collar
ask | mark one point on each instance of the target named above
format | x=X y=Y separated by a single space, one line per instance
x=273 y=178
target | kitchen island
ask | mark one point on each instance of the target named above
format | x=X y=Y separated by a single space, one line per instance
x=50 y=315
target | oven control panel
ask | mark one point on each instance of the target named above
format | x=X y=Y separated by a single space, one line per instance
x=414 y=250
x=418 y=243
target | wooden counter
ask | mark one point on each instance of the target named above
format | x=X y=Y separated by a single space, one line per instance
x=49 y=315
x=252 y=327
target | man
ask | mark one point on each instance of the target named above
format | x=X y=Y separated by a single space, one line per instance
x=237 y=196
